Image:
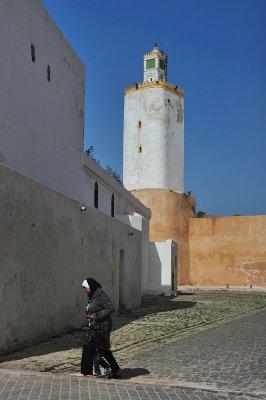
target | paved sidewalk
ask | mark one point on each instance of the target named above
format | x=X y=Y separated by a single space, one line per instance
x=228 y=357
x=225 y=362
x=160 y=320
x=41 y=386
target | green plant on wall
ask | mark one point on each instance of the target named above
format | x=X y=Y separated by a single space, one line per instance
x=114 y=174
x=90 y=152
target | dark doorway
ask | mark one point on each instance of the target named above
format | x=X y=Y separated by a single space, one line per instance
x=122 y=278
x=96 y=195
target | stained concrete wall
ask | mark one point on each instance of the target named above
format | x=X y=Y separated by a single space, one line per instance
x=47 y=247
x=228 y=250
x=170 y=213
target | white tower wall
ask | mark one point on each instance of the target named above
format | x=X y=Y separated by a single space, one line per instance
x=153 y=138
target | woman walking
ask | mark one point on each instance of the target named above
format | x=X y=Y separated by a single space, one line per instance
x=99 y=312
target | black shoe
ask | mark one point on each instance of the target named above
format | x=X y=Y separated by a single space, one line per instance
x=113 y=375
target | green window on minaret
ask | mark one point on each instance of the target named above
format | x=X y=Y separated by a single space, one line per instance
x=150 y=63
x=162 y=64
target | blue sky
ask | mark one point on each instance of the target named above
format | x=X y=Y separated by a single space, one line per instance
x=217 y=54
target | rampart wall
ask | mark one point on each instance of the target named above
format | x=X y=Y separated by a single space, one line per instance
x=228 y=250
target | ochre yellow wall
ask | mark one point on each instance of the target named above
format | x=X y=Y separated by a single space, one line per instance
x=170 y=212
x=228 y=250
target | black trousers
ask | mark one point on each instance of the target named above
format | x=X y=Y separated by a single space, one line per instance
x=99 y=361
x=88 y=353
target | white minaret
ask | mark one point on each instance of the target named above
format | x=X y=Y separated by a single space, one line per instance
x=155 y=65
x=153 y=150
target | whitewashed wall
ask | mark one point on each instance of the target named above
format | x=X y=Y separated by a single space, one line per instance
x=141 y=224
x=48 y=246
x=162 y=256
x=41 y=122
x=125 y=202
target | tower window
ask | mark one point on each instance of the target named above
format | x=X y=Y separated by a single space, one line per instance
x=139 y=124
x=113 y=206
x=48 y=73
x=140 y=149
x=96 y=195
x=32 y=49
x=162 y=64
x=150 y=63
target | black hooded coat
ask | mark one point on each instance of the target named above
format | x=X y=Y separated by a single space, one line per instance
x=100 y=304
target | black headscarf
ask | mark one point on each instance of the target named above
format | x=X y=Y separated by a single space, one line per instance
x=94 y=285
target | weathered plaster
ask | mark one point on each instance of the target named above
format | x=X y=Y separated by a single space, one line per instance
x=47 y=247
x=161 y=267
x=153 y=119
x=228 y=250
x=170 y=213
x=41 y=122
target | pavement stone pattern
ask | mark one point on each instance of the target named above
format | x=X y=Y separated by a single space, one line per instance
x=41 y=386
x=160 y=320
x=171 y=348
x=228 y=357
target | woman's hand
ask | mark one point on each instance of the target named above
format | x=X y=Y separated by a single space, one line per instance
x=91 y=317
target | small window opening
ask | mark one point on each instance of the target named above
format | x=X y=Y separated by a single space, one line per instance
x=96 y=195
x=140 y=149
x=139 y=124
x=113 y=206
x=48 y=73
x=33 y=57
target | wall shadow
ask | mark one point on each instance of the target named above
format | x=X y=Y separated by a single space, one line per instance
x=73 y=338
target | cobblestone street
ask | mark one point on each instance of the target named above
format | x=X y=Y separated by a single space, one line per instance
x=199 y=345
x=228 y=357
x=33 y=386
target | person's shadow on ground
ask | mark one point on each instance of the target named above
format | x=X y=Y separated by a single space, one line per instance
x=128 y=373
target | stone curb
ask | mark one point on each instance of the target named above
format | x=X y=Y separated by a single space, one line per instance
x=247 y=289
x=203 y=387
x=158 y=383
